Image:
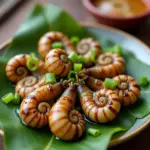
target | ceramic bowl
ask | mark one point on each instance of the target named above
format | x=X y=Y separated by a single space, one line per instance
x=115 y=21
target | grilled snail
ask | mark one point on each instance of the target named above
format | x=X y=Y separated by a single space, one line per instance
x=45 y=43
x=57 y=62
x=128 y=89
x=101 y=106
x=35 y=107
x=94 y=84
x=108 y=65
x=16 y=68
x=64 y=121
x=28 y=84
x=82 y=73
x=85 y=47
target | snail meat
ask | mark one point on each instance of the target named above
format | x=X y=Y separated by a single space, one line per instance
x=45 y=43
x=64 y=121
x=101 y=106
x=28 y=84
x=128 y=89
x=35 y=107
x=16 y=68
x=94 y=84
x=85 y=47
x=108 y=65
x=57 y=62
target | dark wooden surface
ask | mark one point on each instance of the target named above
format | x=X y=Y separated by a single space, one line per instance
x=75 y=8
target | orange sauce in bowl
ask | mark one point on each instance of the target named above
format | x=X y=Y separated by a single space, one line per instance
x=120 y=8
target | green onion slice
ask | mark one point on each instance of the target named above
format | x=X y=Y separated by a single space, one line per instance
x=75 y=40
x=143 y=81
x=50 y=78
x=57 y=45
x=93 y=132
x=117 y=49
x=72 y=75
x=8 y=98
x=109 y=50
x=33 y=54
x=110 y=83
x=82 y=59
x=73 y=56
x=16 y=99
x=77 y=67
x=32 y=63
x=93 y=54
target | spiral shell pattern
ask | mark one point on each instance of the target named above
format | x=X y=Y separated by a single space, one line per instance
x=45 y=43
x=101 y=106
x=65 y=122
x=35 y=107
x=85 y=45
x=108 y=65
x=16 y=68
x=28 y=84
x=128 y=89
x=57 y=62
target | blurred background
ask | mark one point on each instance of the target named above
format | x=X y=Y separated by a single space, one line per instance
x=129 y=15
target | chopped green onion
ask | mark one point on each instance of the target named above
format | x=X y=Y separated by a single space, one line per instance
x=57 y=45
x=93 y=54
x=82 y=59
x=117 y=49
x=72 y=75
x=143 y=81
x=50 y=78
x=73 y=56
x=8 y=98
x=94 y=132
x=110 y=83
x=75 y=40
x=32 y=63
x=109 y=50
x=16 y=99
x=77 y=67
x=33 y=54
x=72 y=79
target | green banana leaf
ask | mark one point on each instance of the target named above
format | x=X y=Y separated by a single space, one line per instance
x=19 y=137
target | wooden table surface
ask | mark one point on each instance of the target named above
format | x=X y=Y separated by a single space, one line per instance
x=76 y=9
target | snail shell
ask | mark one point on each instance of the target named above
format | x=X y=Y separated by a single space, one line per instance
x=35 y=107
x=16 y=68
x=101 y=106
x=57 y=62
x=108 y=65
x=45 y=43
x=94 y=84
x=28 y=84
x=85 y=45
x=64 y=121
x=128 y=89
